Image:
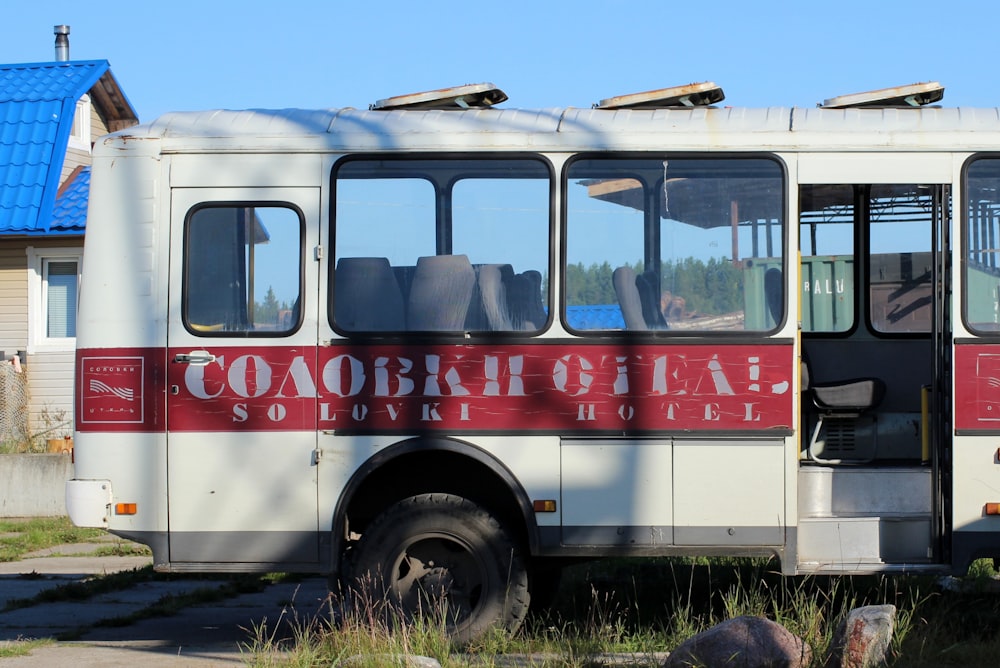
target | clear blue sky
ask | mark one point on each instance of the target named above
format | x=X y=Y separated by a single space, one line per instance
x=183 y=54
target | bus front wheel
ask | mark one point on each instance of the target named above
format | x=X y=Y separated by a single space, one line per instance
x=445 y=558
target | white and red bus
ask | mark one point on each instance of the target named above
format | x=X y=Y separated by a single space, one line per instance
x=458 y=346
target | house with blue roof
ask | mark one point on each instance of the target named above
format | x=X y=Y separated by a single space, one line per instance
x=50 y=115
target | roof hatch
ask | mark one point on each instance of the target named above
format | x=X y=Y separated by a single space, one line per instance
x=914 y=95
x=469 y=96
x=690 y=95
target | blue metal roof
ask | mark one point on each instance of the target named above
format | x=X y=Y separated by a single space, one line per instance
x=37 y=105
x=69 y=216
x=595 y=316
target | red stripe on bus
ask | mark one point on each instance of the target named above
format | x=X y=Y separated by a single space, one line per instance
x=475 y=387
x=977 y=387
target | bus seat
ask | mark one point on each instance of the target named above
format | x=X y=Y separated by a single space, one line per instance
x=489 y=309
x=526 y=301
x=404 y=275
x=366 y=296
x=840 y=400
x=440 y=293
x=648 y=284
x=628 y=298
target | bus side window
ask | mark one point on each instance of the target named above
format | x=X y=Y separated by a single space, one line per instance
x=676 y=244
x=504 y=222
x=982 y=247
x=242 y=270
x=455 y=234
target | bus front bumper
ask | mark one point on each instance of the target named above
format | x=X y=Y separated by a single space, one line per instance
x=88 y=502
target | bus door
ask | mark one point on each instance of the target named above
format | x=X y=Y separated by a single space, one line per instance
x=241 y=405
x=874 y=285
x=975 y=460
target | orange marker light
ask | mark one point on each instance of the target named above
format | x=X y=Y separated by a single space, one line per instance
x=125 y=509
x=545 y=506
x=993 y=508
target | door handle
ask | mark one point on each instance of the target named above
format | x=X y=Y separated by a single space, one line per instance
x=195 y=358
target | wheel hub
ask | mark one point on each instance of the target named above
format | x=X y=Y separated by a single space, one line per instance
x=441 y=573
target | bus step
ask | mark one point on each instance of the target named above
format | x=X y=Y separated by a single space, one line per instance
x=865 y=541
x=859 y=568
x=832 y=491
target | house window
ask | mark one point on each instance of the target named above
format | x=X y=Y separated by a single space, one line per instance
x=60 y=282
x=53 y=294
x=79 y=137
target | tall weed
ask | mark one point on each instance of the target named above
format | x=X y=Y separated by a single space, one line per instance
x=647 y=607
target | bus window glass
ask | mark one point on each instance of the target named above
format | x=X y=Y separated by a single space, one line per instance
x=502 y=225
x=242 y=270
x=602 y=236
x=441 y=245
x=674 y=244
x=385 y=217
x=826 y=239
x=899 y=242
x=982 y=247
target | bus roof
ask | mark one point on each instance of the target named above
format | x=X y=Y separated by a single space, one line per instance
x=699 y=128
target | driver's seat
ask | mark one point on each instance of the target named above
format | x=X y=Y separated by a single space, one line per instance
x=839 y=400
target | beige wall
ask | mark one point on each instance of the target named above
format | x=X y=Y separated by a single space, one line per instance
x=50 y=373
x=13 y=296
x=76 y=157
x=50 y=388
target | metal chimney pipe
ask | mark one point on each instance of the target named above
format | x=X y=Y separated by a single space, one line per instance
x=62 y=43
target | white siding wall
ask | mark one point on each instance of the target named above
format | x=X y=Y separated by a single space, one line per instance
x=13 y=297
x=49 y=372
x=75 y=156
x=50 y=384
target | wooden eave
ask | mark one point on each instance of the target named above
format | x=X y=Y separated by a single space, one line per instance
x=112 y=104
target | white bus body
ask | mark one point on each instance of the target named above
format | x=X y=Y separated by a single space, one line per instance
x=235 y=427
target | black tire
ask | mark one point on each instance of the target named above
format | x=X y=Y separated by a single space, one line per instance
x=441 y=553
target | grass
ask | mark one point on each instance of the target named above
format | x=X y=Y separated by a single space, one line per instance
x=17 y=648
x=87 y=589
x=121 y=549
x=19 y=537
x=647 y=607
x=217 y=587
x=171 y=604
x=642 y=607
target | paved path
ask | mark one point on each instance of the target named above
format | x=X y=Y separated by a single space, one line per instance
x=107 y=630
x=218 y=633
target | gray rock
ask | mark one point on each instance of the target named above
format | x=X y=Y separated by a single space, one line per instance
x=862 y=639
x=742 y=642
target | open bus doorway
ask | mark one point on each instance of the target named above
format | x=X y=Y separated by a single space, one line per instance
x=873 y=315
